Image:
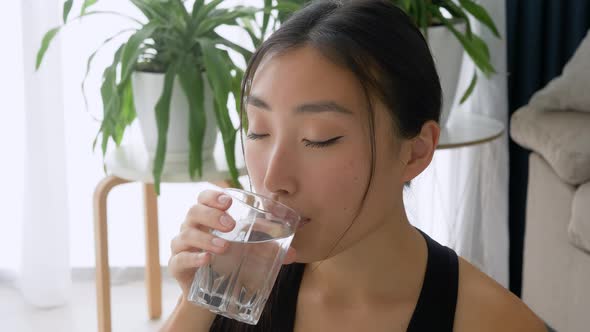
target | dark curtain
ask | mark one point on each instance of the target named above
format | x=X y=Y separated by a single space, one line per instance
x=542 y=35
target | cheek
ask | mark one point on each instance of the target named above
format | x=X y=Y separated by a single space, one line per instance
x=256 y=162
x=336 y=191
x=339 y=183
x=344 y=174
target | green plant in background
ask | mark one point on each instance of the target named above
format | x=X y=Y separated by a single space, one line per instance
x=181 y=44
x=427 y=13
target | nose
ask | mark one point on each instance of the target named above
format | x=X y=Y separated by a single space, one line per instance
x=280 y=179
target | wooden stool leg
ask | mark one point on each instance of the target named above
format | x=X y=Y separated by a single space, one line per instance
x=103 y=291
x=153 y=275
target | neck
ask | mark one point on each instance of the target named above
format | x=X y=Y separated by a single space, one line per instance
x=389 y=263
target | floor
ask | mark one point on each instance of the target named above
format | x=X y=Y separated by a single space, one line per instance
x=129 y=310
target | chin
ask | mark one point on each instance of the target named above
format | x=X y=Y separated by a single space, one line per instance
x=307 y=253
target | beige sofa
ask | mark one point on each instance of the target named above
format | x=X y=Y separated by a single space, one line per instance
x=555 y=125
x=556 y=272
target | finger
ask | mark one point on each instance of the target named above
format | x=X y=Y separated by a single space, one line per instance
x=291 y=256
x=191 y=239
x=185 y=260
x=215 y=199
x=212 y=218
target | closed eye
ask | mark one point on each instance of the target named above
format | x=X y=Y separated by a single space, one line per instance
x=254 y=136
x=308 y=143
x=323 y=144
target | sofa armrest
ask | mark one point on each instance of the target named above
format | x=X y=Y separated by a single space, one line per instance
x=578 y=229
x=562 y=138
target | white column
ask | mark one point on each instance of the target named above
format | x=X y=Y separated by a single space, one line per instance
x=44 y=279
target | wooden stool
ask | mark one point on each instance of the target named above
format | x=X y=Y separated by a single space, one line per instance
x=127 y=164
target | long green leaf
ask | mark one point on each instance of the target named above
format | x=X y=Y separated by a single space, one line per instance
x=87 y=4
x=204 y=12
x=237 y=87
x=127 y=113
x=182 y=10
x=249 y=28
x=285 y=6
x=406 y=5
x=470 y=88
x=285 y=13
x=218 y=71
x=474 y=47
x=421 y=17
x=151 y=11
x=478 y=43
x=223 y=18
x=197 y=7
x=163 y=122
x=45 y=45
x=66 y=10
x=266 y=16
x=229 y=143
x=217 y=39
x=459 y=13
x=219 y=76
x=110 y=99
x=237 y=75
x=237 y=92
x=480 y=14
x=91 y=58
x=133 y=49
x=193 y=85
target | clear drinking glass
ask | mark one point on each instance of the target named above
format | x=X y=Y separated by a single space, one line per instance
x=237 y=283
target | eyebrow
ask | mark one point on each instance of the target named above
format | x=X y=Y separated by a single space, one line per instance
x=315 y=107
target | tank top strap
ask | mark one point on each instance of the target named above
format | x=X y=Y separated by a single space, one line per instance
x=435 y=310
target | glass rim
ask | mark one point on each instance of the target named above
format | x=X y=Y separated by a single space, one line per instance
x=229 y=190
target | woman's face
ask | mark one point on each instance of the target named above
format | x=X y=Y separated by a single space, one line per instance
x=309 y=147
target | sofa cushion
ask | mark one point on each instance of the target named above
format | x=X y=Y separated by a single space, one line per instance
x=579 y=227
x=561 y=137
x=569 y=91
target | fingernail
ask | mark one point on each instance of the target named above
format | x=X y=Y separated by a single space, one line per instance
x=218 y=242
x=226 y=221
x=223 y=199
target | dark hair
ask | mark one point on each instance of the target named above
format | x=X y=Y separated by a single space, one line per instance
x=389 y=56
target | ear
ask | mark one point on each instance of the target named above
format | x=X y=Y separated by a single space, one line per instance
x=416 y=153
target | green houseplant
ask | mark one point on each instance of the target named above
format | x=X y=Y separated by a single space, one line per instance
x=428 y=15
x=181 y=44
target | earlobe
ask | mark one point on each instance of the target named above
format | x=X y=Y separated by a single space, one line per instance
x=418 y=161
x=419 y=151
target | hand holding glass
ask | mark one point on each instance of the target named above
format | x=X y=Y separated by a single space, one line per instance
x=237 y=283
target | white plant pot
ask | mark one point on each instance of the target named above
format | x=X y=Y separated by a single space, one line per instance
x=448 y=55
x=147 y=89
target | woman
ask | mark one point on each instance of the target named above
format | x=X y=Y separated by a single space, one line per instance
x=342 y=104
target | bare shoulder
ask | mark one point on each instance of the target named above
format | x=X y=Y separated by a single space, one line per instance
x=485 y=305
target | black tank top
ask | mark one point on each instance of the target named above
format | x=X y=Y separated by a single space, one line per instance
x=435 y=309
